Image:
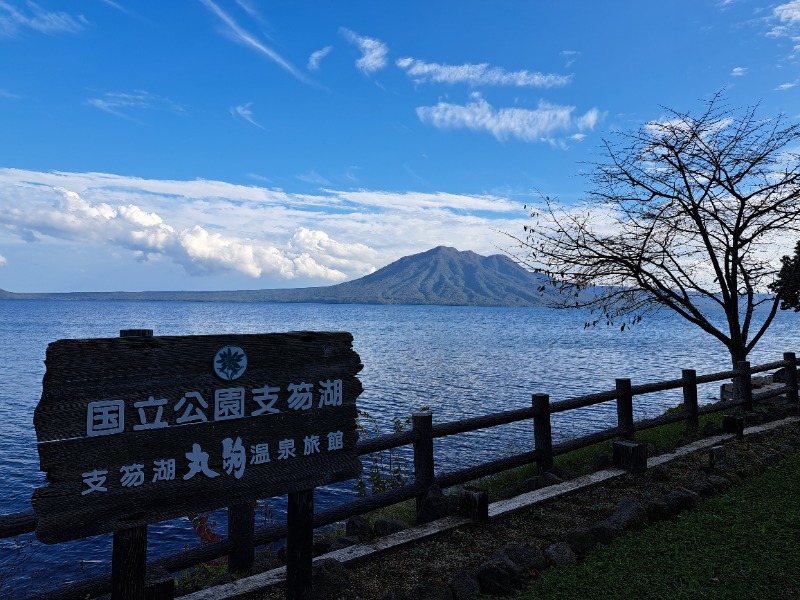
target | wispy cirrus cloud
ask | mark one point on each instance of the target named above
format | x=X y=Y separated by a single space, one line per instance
x=3 y=260
x=32 y=16
x=122 y=104
x=316 y=57
x=786 y=86
x=373 y=51
x=546 y=123
x=244 y=37
x=739 y=72
x=9 y=95
x=243 y=111
x=477 y=75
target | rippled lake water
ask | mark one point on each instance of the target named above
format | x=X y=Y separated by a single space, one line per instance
x=459 y=361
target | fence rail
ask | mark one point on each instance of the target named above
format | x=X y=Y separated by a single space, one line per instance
x=421 y=437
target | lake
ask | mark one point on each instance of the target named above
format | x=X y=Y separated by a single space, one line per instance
x=459 y=361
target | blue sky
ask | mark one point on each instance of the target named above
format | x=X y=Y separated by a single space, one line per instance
x=210 y=144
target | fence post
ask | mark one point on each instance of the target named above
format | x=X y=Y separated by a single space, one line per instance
x=241 y=519
x=791 y=377
x=542 y=432
x=129 y=549
x=743 y=385
x=689 y=377
x=625 y=408
x=422 y=423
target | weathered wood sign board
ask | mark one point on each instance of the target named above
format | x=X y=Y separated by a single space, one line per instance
x=138 y=430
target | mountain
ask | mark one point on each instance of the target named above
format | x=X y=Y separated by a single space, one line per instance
x=439 y=276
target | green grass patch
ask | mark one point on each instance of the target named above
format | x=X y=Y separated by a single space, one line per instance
x=742 y=544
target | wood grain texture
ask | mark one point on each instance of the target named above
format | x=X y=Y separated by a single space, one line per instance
x=134 y=369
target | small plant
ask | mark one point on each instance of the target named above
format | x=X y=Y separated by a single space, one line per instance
x=385 y=469
x=204 y=528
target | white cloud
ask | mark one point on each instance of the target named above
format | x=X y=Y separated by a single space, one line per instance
x=787 y=17
x=212 y=228
x=13 y=19
x=3 y=260
x=373 y=51
x=738 y=72
x=316 y=57
x=786 y=86
x=244 y=37
x=544 y=123
x=477 y=75
x=243 y=111
x=121 y=104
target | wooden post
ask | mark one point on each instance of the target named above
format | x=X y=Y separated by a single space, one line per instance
x=542 y=432
x=422 y=422
x=474 y=504
x=129 y=550
x=625 y=408
x=689 y=377
x=299 y=544
x=241 y=519
x=791 y=378
x=743 y=385
x=630 y=456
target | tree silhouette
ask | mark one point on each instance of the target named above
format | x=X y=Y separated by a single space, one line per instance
x=788 y=282
x=688 y=213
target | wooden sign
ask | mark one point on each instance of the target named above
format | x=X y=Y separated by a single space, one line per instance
x=138 y=430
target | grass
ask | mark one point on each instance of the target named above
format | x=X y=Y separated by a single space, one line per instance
x=742 y=544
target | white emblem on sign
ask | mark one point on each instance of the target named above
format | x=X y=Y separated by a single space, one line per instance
x=230 y=363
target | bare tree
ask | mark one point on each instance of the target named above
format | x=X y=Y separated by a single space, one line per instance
x=688 y=213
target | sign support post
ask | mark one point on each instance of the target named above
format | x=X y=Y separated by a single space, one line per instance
x=299 y=544
x=129 y=550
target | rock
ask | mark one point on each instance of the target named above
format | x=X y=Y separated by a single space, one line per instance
x=581 y=540
x=494 y=579
x=436 y=505
x=433 y=589
x=657 y=510
x=465 y=586
x=711 y=428
x=359 y=527
x=384 y=527
x=702 y=487
x=343 y=542
x=561 y=554
x=680 y=500
x=520 y=560
x=605 y=532
x=770 y=459
x=630 y=514
x=719 y=482
x=330 y=578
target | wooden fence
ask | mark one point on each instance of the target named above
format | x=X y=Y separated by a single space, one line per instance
x=243 y=537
